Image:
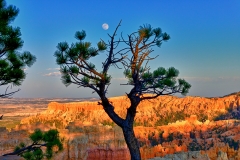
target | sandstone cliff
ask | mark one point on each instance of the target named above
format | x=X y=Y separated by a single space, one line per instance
x=165 y=125
x=151 y=112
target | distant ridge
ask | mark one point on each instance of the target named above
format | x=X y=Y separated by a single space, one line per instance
x=231 y=94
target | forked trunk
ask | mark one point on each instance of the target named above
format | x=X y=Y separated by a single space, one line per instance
x=132 y=143
x=126 y=125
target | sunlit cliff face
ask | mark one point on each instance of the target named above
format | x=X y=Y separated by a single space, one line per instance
x=160 y=111
x=165 y=125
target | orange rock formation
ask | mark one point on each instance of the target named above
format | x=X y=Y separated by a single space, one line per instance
x=86 y=136
x=148 y=110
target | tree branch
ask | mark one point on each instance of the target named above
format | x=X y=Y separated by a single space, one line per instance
x=7 y=95
x=109 y=109
x=109 y=59
x=31 y=147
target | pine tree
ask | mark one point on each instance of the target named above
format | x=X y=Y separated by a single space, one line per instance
x=77 y=69
x=49 y=140
x=12 y=62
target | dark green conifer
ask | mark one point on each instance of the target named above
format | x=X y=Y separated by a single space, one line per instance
x=12 y=62
x=40 y=140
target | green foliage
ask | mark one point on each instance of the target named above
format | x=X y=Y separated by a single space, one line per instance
x=146 y=31
x=157 y=32
x=36 y=154
x=85 y=80
x=102 y=46
x=22 y=145
x=134 y=57
x=37 y=136
x=172 y=73
x=169 y=117
x=202 y=117
x=63 y=46
x=165 y=36
x=76 y=68
x=159 y=72
x=80 y=35
x=108 y=123
x=107 y=78
x=40 y=139
x=12 y=63
x=91 y=65
x=66 y=78
x=59 y=124
x=137 y=124
x=28 y=156
x=184 y=86
x=127 y=73
x=17 y=148
x=77 y=56
x=160 y=80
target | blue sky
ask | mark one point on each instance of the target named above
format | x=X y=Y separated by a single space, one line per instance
x=204 y=44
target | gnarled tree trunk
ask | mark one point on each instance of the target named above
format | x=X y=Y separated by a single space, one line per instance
x=128 y=131
x=132 y=142
x=126 y=124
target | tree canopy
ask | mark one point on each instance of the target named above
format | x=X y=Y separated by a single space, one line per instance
x=76 y=68
x=12 y=62
x=49 y=140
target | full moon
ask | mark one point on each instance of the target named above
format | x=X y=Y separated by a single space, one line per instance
x=105 y=26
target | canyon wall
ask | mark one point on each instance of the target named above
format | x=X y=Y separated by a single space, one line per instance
x=89 y=133
x=150 y=111
x=97 y=142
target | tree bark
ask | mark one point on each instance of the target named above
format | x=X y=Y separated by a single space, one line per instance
x=128 y=131
x=125 y=124
x=132 y=143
